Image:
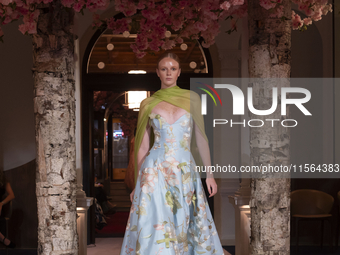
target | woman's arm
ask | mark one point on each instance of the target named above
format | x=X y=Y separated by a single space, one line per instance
x=10 y=194
x=203 y=148
x=144 y=147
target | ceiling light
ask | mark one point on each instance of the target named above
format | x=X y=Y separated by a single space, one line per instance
x=126 y=34
x=193 y=64
x=110 y=46
x=137 y=72
x=183 y=46
x=101 y=65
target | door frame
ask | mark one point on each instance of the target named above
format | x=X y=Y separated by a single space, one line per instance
x=113 y=82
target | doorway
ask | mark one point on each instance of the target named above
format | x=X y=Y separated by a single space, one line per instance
x=107 y=71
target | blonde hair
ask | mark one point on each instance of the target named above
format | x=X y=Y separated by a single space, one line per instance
x=169 y=55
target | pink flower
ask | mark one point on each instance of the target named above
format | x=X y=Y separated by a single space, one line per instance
x=30 y=23
x=169 y=175
x=148 y=178
x=6 y=2
x=326 y=9
x=29 y=27
x=158 y=226
x=172 y=163
x=67 y=3
x=323 y=2
x=317 y=15
x=9 y=10
x=96 y=20
x=142 y=42
x=303 y=6
x=130 y=9
x=179 y=40
x=237 y=2
x=225 y=6
x=296 y=21
x=278 y=12
x=79 y=5
x=309 y=12
x=140 y=54
x=210 y=15
x=183 y=4
x=141 y=5
x=133 y=208
x=240 y=10
x=150 y=14
x=200 y=26
x=168 y=45
x=189 y=197
x=267 y=4
x=94 y=5
x=202 y=206
x=155 y=44
x=177 y=24
x=7 y=20
x=307 y=21
x=22 y=10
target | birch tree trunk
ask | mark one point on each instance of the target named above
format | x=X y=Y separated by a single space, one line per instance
x=269 y=57
x=54 y=109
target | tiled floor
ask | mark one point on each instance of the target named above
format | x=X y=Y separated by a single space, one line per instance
x=110 y=246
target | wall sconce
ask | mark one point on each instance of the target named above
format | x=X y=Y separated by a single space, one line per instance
x=134 y=98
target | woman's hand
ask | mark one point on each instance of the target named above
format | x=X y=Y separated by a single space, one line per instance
x=131 y=195
x=212 y=186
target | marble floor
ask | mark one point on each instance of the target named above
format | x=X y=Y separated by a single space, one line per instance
x=110 y=246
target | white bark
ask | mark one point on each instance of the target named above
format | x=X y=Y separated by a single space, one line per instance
x=269 y=57
x=54 y=109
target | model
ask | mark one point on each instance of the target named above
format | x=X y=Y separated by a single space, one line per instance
x=169 y=212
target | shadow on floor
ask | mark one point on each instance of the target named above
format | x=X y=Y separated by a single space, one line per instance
x=303 y=250
x=230 y=249
x=18 y=252
x=314 y=250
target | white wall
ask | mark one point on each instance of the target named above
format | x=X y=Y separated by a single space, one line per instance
x=17 y=139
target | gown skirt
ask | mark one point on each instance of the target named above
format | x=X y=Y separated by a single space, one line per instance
x=170 y=213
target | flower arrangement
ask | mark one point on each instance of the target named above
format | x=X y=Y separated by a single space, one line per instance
x=155 y=18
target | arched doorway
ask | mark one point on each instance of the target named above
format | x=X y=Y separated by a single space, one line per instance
x=105 y=68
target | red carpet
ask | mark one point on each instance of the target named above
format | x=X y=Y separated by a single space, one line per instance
x=115 y=225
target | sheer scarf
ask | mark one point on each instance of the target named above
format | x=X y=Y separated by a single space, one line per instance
x=183 y=98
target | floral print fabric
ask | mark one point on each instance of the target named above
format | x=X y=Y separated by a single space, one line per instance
x=169 y=212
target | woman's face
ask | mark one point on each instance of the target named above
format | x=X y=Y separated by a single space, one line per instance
x=168 y=71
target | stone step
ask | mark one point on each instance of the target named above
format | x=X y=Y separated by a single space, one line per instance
x=118 y=185
x=115 y=199
x=120 y=196
x=123 y=206
x=120 y=192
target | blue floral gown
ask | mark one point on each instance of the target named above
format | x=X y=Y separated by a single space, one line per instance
x=170 y=212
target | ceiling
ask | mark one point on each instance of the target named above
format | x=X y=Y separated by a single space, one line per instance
x=122 y=59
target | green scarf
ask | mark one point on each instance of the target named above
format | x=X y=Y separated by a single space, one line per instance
x=187 y=100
